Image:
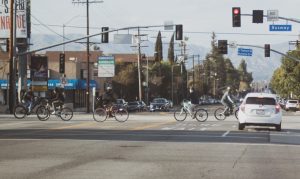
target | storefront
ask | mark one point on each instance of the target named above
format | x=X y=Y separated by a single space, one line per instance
x=75 y=90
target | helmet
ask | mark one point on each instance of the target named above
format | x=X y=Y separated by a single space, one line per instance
x=228 y=88
x=108 y=88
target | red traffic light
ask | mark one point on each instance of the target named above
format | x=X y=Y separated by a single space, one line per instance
x=236 y=11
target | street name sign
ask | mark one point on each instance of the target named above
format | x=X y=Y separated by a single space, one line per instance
x=272 y=15
x=280 y=28
x=245 y=52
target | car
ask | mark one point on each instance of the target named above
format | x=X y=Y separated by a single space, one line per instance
x=121 y=103
x=292 y=105
x=260 y=109
x=159 y=104
x=133 y=106
x=136 y=106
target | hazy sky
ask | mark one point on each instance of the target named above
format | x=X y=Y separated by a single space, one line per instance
x=199 y=17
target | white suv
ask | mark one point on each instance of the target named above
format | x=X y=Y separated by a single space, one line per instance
x=292 y=105
x=260 y=109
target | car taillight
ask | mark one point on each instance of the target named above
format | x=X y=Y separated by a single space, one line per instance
x=277 y=109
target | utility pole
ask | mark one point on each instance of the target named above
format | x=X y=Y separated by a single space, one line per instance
x=87 y=2
x=12 y=63
x=139 y=65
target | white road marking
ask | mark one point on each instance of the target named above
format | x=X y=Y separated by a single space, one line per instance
x=225 y=134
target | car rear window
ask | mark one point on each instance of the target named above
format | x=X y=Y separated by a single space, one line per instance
x=261 y=101
x=293 y=102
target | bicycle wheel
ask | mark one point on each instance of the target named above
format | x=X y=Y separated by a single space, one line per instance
x=42 y=113
x=201 y=115
x=99 y=115
x=121 y=115
x=219 y=114
x=236 y=114
x=20 y=112
x=180 y=114
x=66 y=114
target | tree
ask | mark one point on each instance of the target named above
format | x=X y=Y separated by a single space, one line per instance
x=171 y=51
x=286 y=79
x=245 y=77
x=158 y=55
x=232 y=75
x=126 y=81
x=214 y=69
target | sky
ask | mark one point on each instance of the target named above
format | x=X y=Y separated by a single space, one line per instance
x=199 y=18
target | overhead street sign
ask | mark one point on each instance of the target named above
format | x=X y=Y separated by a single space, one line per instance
x=272 y=15
x=280 y=28
x=245 y=52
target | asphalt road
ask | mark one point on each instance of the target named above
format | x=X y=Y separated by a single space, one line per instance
x=148 y=145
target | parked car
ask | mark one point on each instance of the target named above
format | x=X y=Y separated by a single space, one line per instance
x=159 y=104
x=121 y=103
x=260 y=109
x=292 y=105
x=136 y=106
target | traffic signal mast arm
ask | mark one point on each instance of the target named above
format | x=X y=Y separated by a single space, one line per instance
x=256 y=46
x=283 y=18
x=82 y=38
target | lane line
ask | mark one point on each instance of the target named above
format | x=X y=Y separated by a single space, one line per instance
x=152 y=126
x=84 y=124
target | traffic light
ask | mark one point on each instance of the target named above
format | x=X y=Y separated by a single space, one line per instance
x=258 y=16
x=105 y=35
x=7 y=45
x=236 y=17
x=222 y=46
x=61 y=63
x=179 y=32
x=267 y=50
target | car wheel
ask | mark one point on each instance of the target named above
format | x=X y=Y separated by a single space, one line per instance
x=241 y=126
x=278 y=127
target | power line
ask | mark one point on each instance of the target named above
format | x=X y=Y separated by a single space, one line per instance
x=187 y=32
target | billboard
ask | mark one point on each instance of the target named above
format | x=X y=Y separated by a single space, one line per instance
x=39 y=73
x=21 y=19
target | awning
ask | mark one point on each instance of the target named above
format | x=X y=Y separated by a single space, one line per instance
x=52 y=83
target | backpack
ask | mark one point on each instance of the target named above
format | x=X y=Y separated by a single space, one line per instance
x=62 y=96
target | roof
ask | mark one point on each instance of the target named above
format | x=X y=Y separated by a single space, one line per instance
x=267 y=95
x=79 y=56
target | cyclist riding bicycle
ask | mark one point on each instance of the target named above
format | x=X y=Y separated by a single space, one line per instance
x=108 y=99
x=28 y=97
x=192 y=97
x=58 y=99
x=227 y=101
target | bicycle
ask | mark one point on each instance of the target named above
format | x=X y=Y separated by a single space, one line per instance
x=38 y=106
x=119 y=113
x=221 y=113
x=65 y=113
x=201 y=115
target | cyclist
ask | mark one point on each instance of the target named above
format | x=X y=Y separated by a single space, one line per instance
x=58 y=99
x=193 y=98
x=108 y=99
x=227 y=101
x=28 y=97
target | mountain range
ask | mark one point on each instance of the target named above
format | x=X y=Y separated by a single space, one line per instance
x=262 y=68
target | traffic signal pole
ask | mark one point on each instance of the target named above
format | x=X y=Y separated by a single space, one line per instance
x=283 y=18
x=275 y=51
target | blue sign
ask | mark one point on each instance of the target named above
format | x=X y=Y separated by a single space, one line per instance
x=280 y=28
x=245 y=52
